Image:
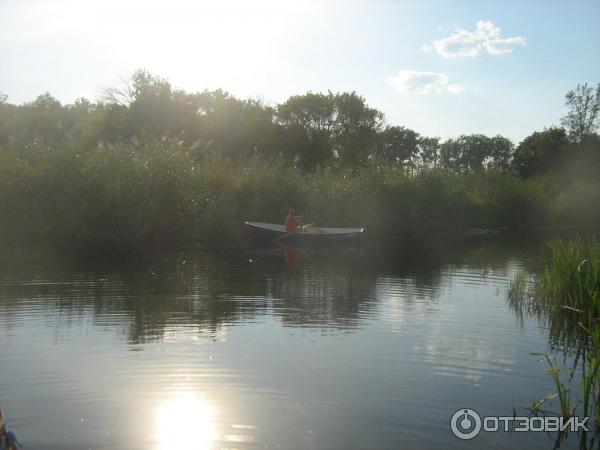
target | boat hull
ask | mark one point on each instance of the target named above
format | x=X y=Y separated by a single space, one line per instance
x=260 y=231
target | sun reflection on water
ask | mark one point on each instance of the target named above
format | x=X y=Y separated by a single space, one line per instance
x=185 y=422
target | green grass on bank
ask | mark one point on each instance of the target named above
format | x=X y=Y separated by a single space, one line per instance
x=132 y=195
x=567 y=295
x=572 y=278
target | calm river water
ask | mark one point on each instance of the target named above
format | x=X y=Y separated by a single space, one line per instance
x=270 y=348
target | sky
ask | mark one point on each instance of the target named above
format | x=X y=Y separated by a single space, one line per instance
x=440 y=68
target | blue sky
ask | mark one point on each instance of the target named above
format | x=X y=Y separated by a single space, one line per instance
x=441 y=68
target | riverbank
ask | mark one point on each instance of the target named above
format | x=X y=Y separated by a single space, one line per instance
x=123 y=199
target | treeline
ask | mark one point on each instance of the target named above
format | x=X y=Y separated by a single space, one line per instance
x=148 y=163
x=307 y=132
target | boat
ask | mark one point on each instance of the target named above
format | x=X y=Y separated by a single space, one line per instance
x=262 y=231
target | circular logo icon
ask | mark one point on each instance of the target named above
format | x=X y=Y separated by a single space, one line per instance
x=465 y=423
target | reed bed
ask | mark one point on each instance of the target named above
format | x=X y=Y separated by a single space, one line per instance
x=154 y=192
x=567 y=296
x=571 y=280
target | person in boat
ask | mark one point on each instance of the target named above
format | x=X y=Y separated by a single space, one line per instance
x=8 y=440
x=292 y=221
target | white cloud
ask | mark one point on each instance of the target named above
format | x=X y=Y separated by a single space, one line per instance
x=471 y=44
x=426 y=48
x=414 y=82
x=455 y=88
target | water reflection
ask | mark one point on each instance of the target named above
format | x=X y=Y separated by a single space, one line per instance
x=207 y=290
x=291 y=255
x=341 y=349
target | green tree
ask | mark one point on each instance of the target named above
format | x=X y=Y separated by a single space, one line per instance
x=398 y=145
x=584 y=112
x=451 y=155
x=355 y=130
x=7 y=119
x=309 y=121
x=501 y=152
x=236 y=129
x=475 y=148
x=323 y=128
x=140 y=83
x=43 y=125
x=466 y=153
x=429 y=150
x=540 y=152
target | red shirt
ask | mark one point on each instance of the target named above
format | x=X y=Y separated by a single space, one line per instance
x=291 y=223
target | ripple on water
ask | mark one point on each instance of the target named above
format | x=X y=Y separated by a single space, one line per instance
x=259 y=354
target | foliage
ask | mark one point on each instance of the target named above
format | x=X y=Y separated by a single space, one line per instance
x=398 y=145
x=540 y=152
x=567 y=295
x=155 y=192
x=306 y=132
x=150 y=163
x=330 y=126
x=572 y=278
x=429 y=150
x=584 y=112
x=474 y=152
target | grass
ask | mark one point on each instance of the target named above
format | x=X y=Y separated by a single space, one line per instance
x=591 y=376
x=519 y=291
x=572 y=278
x=156 y=193
x=563 y=393
x=567 y=294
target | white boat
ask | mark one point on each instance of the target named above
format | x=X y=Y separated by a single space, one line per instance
x=308 y=233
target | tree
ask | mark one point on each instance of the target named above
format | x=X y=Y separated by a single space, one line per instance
x=132 y=89
x=7 y=119
x=236 y=129
x=429 y=150
x=143 y=104
x=44 y=122
x=398 y=144
x=355 y=128
x=467 y=152
x=540 y=152
x=451 y=155
x=308 y=121
x=502 y=150
x=326 y=127
x=584 y=112
x=476 y=148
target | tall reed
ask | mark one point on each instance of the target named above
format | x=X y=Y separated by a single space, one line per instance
x=571 y=280
x=567 y=295
x=143 y=192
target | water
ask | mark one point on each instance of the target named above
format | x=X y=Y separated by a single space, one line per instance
x=258 y=348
